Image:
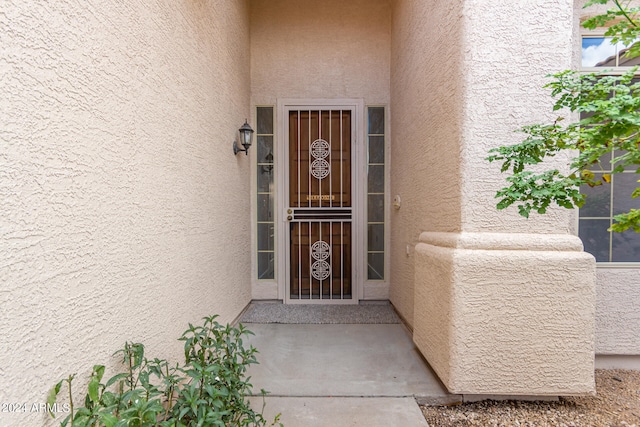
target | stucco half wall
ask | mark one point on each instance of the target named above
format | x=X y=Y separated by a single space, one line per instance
x=506 y=314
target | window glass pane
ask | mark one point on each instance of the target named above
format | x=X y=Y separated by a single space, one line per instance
x=265 y=178
x=265 y=207
x=598 y=202
x=265 y=120
x=376 y=208
x=376 y=120
x=629 y=62
x=598 y=52
x=611 y=199
x=595 y=237
x=265 y=149
x=375 y=268
x=375 y=190
x=626 y=247
x=623 y=60
x=623 y=186
x=376 y=237
x=605 y=163
x=376 y=179
x=264 y=198
x=265 y=237
x=265 y=265
x=376 y=149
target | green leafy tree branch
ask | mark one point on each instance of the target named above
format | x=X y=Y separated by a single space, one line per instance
x=609 y=107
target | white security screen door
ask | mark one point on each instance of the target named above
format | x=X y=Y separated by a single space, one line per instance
x=320 y=205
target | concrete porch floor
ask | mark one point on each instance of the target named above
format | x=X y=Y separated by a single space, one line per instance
x=342 y=375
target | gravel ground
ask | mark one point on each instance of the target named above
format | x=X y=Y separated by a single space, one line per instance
x=616 y=404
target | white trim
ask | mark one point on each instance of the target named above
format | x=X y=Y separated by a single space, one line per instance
x=618 y=361
x=281 y=201
x=602 y=265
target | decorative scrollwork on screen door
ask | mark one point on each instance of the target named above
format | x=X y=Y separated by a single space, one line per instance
x=320 y=269
x=320 y=149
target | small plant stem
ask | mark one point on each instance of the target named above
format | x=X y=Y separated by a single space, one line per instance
x=128 y=353
x=624 y=12
x=626 y=138
x=202 y=365
x=70 y=398
x=170 y=391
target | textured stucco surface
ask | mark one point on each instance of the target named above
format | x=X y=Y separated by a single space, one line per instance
x=426 y=115
x=329 y=49
x=320 y=49
x=618 y=313
x=124 y=212
x=507 y=321
x=509 y=49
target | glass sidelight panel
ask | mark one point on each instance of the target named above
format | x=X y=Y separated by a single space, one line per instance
x=265 y=185
x=375 y=193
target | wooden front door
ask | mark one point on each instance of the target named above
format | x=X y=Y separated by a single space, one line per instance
x=320 y=206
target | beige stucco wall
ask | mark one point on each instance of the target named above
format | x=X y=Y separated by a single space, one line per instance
x=617 y=315
x=320 y=49
x=510 y=48
x=124 y=211
x=427 y=85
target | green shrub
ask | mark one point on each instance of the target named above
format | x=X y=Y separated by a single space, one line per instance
x=210 y=389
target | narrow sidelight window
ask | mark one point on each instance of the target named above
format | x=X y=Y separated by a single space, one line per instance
x=375 y=193
x=265 y=185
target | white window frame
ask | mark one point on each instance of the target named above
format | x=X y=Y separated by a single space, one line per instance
x=608 y=71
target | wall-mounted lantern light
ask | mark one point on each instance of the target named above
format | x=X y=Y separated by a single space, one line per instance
x=246 y=134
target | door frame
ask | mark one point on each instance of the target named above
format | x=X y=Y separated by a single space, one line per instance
x=358 y=153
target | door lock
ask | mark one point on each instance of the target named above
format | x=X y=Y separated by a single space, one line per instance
x=289 y=218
